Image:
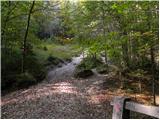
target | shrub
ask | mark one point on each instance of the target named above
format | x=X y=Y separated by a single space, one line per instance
x=40 y=73
x=25 y=80
x=84 y=68
x=11 y=69
x=8 y=81
x=35 y=68
x=89 y=63
x=45 y=48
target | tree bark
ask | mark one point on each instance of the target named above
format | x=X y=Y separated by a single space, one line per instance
x=153 y=69
x=152 y=57
x=25 y=38
x=104 y=31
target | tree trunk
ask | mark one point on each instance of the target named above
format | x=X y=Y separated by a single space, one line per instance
x=95 y=55
x=153 y=70
x=129 y=48
x=104 y=31
x=106 y=56
x=125 y=51
x=140 y=85
x=25 y=38
x=121 y=79
x=152 y=57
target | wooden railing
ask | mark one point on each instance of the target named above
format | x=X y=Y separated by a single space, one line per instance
x=123 y=105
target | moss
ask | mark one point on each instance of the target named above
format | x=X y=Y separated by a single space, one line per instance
x=84 y=68
x=63 y=52
x=89 y=63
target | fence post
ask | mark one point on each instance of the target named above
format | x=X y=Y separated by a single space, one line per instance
x=119 y=111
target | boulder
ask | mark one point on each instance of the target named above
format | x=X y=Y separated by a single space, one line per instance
x=83 y=73
x=68 y=60
x=54 y=60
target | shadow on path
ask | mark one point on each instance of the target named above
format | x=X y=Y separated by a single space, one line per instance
x=65 y=99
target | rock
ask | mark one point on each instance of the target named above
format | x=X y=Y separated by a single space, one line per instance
x=62 y=61
x=59 y=65
x=54 y=60
x=68 y=60
x=74 y=64
x=102 y=69
x=83 y=73
x=77 y=55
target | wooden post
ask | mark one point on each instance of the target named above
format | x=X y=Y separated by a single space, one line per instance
x=122 y=107
x=119 y=111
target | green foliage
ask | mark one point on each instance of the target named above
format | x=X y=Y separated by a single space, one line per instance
x=53 y=49
x=25 y=80
x=126 y=30
x=45 y=48
x=89 y=63
x=11 y=71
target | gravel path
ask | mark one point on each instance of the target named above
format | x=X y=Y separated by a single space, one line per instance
x=63 y=99
x=61 y=96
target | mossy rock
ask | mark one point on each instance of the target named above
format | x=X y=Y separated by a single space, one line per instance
x=68 y=59
x=89 y=63
x=60 y=65
x=53 y=60
x=24 y=80
x=83 y=73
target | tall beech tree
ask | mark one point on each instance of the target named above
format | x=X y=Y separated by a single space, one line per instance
x=25 y=37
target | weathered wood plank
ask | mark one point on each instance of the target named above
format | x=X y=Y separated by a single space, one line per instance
x=118 y=108
x=148 y=110
x=122 y=107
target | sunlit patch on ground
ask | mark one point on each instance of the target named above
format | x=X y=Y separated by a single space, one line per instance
x=72 y=98
x=61 y=99
x=100 y=98
x=64 y=87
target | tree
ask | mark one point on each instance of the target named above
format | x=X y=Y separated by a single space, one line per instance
x=25 y=37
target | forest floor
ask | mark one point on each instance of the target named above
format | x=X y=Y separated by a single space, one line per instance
x=66 y=98
x=59 y=99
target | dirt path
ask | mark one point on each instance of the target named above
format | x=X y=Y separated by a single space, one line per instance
x=59 y=99
x=60 y=96
x=63 y=97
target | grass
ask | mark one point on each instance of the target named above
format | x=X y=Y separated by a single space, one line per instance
x=35 y=67
x=63 y=52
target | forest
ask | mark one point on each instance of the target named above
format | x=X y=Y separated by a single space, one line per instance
x=69 y=58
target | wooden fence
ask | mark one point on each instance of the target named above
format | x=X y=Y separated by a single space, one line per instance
x=123 y=105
